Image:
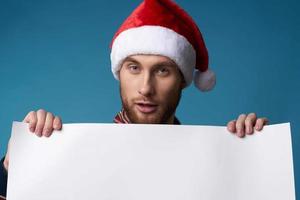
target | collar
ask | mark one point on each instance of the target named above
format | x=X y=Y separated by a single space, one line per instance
x=121 y=118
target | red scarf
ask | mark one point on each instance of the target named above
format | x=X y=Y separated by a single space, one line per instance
x=121 y=118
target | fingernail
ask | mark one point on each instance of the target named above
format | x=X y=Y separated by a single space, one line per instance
x=31 y=129
x=258 y=128
x=239 y=133
x=38 y=134
x=38 y=131
x=250 y=130
x=242 y=133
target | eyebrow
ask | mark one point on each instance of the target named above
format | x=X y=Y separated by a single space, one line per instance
x=166 y=63
x=163 y=63
x=129 y=59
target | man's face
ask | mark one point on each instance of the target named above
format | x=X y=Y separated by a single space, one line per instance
x=150 y=88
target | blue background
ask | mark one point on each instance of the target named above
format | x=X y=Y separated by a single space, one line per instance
x=55 y=55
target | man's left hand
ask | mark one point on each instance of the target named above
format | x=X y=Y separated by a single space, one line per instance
x=245 y=124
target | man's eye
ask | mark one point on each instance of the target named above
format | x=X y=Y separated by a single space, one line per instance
x=163 y=71
x=134 y=68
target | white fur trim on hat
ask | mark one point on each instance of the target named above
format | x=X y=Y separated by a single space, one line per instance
x=205 y=81
x=156 y=40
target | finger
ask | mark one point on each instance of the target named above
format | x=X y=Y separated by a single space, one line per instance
x=31 y=118
x=240 y=125
x=57 y=123
x=48 y=127
x=249 y=123
x=260 y=122
x=41 y=117
x=6 y=159
x=231 y=126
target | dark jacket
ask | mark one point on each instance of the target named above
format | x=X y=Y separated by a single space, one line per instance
x=3 y=180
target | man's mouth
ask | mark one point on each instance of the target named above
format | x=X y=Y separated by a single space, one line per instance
x=146 y=107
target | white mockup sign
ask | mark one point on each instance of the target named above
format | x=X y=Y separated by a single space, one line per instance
x=150 y=162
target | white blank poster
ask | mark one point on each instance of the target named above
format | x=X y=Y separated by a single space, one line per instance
x=150 y=162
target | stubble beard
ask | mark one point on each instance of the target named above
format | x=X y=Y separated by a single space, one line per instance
x=160 y=116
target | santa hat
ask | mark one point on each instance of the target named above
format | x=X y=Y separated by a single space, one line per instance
x=161 y=27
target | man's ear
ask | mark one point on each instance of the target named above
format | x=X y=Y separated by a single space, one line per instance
x=119 y=72
x=183 y=83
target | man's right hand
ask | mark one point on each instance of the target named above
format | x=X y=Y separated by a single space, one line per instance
x=41 y=123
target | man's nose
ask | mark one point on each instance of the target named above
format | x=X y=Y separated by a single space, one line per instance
x=147 y=87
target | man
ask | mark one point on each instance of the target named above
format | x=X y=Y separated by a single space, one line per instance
x=154 y=55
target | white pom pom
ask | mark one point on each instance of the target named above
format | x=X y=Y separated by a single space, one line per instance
x=205 y=81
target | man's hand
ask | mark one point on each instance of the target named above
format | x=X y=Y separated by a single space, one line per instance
x=245 y=124
x=41 y=123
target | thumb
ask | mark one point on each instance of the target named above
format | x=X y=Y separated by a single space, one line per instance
x=6 y=159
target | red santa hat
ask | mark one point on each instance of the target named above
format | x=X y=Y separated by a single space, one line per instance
x=161 y=27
